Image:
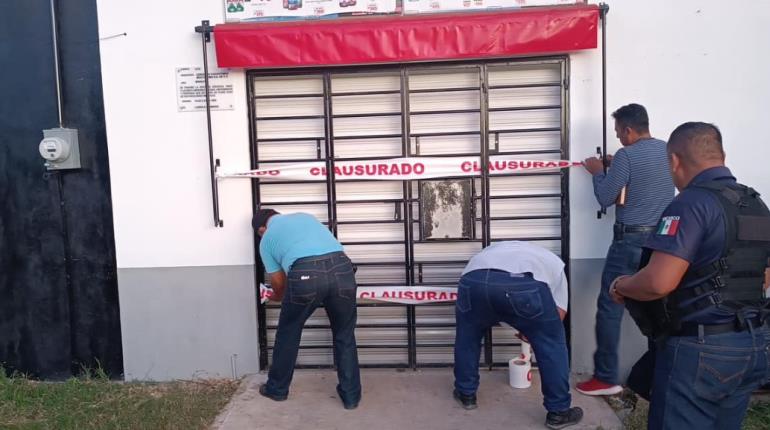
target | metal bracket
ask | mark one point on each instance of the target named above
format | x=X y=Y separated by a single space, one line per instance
x=205 y=29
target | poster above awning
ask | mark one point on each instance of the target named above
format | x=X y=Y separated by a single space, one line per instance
x=276 y=10
x=431 y=6
x=271 y=10
x=411 y=38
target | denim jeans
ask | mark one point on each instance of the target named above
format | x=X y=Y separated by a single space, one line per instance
x=487 y=297
x=705 y=382
x=326 y=280
x=622 y=259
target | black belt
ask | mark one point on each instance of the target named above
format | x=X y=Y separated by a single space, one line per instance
x=318 y=257
x=692 y=329
x=623 y=228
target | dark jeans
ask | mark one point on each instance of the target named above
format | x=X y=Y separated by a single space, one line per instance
x=622 y=259
x=326 y=280
x=486 y=297
x=705 y=383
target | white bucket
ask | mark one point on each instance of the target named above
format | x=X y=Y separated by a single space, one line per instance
x=519 y=373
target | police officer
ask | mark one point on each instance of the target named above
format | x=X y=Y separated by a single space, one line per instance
x=707 y=271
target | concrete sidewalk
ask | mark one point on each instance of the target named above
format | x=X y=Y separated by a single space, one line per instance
x=401 y=400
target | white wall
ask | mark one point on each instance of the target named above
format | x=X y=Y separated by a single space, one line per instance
x=159 y=164
x=187 y=296
x=684 y=60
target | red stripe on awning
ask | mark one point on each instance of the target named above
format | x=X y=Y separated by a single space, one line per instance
x=396 y=39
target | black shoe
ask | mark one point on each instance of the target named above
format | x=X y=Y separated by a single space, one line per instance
x=263 y=391
x=559 y=420
x=349 y=405
x=467 y=401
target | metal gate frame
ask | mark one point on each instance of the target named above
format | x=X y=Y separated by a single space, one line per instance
x=413 y=269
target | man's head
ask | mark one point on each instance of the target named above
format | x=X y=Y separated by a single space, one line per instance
x=692 y=148
x=631 y=124
x=259 y=223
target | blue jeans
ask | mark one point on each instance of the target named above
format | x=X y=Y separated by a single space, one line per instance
x=486 y=297
x=705 y=383
x=622 y=259
x=326 y=280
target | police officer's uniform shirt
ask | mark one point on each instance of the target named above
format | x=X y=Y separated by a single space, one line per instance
x=521 y=257
x=293 y=236
x=693 y=228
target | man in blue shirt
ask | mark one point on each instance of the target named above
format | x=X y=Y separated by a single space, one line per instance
x=639 y=181
x=708 y=270
x=305 y=263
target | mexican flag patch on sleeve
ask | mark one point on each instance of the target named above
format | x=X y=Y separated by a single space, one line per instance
x=668 y=226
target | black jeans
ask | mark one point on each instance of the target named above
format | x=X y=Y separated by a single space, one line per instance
x=326 y=280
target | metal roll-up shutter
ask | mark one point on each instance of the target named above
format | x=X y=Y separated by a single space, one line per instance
x=511 y=108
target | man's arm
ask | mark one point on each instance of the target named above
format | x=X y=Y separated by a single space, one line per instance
x=658 y=279
x=278 y=284
x=608 y=186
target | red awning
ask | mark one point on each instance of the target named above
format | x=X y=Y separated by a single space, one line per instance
x=397 y=39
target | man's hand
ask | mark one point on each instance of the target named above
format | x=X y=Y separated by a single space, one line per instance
x=278 y=284
x=614 y=295
x=593 y=165
x=562 y=313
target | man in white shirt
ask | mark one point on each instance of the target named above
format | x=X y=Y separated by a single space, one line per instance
x=524 y=286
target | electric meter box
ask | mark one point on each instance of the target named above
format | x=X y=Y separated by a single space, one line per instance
x=60 y=149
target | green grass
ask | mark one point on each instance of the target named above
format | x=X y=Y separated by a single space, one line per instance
x=95 y=402
x=757 y=417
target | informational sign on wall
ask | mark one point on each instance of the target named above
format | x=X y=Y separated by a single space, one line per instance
x=261 y=10
x=423 y=6
x=191 y=90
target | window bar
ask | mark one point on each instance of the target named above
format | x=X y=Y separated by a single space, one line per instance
x=565 y=214
x=259 y=273
x=406 y=144
x=331 y=192
x=485 y=205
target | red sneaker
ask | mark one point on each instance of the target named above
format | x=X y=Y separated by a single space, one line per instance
x=595 y=387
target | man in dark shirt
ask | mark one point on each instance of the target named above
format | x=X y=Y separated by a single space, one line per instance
x=640 y=176
x=716 y=351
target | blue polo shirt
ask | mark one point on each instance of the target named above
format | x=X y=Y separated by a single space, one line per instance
x=294 y=236
x=693 y=228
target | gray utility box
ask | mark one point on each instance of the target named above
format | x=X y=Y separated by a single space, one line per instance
x=60 y=149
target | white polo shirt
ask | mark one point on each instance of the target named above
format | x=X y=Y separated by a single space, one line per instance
x=521 y=257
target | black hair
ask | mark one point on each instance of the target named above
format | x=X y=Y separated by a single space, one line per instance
x=261 y=217
x=634 y=116
x=696 y=142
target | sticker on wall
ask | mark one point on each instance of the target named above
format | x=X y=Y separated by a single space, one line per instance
x=191 y=90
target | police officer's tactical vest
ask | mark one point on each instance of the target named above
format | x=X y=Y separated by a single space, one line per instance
x=735 y=282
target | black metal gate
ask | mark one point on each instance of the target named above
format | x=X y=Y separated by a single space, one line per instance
x=413 y=325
